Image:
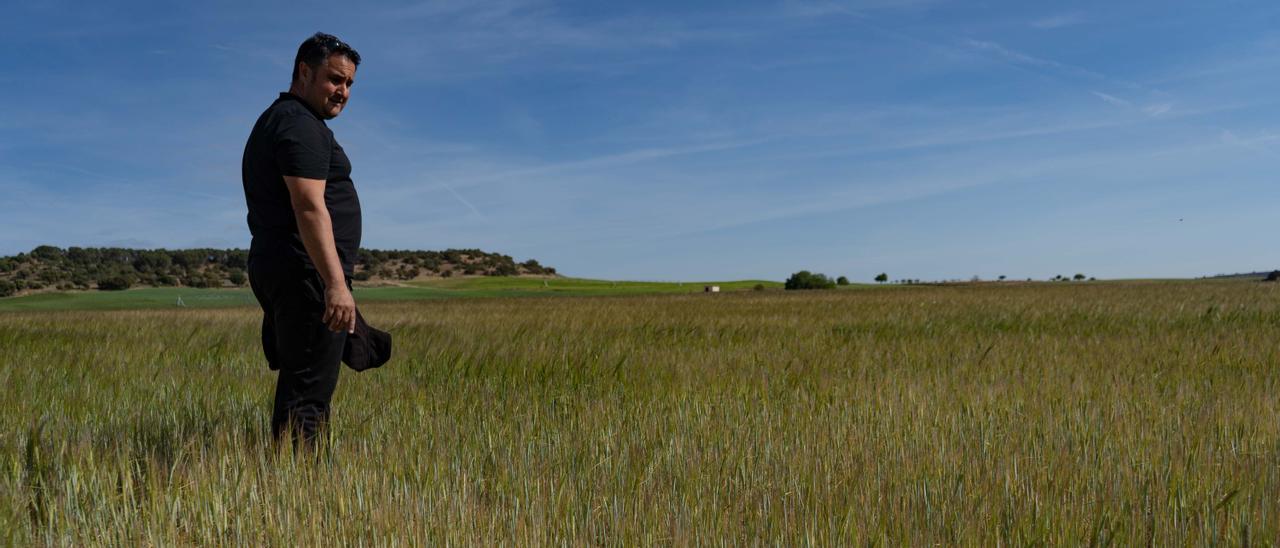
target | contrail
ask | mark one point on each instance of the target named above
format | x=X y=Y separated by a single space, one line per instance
x=464 y=201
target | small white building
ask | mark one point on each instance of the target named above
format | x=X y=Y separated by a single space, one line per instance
x=712 y=289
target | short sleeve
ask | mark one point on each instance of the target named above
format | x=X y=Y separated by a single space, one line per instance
x=302 y=148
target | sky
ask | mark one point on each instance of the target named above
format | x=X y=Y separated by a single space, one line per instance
x=679 y=140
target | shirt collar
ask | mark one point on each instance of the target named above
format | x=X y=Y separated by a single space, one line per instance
x=284 y=95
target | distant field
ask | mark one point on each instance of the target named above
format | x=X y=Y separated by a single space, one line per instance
x=168 y=297
x=1015 y=414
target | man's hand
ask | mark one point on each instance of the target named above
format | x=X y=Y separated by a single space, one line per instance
x=339 y=309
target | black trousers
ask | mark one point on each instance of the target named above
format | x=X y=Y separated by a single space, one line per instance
x=298 y=344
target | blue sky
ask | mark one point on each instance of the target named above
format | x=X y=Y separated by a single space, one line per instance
x=683 y=140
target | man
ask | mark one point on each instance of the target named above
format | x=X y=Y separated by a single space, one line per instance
x=304 y=215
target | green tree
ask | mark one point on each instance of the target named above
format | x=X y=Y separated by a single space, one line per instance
x=152 y=261
x=47 y=253
x=842 y=281
x=1079 y=277
x=882 y=277
x=808 y=280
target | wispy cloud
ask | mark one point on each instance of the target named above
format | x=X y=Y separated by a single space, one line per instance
x=1111 y=99
x=1025 y=59
x=1058 y=21
x=506 y=30
x=822 y=8
x=1261 y=144
x=602 y=162
x=1158 y=109
x=933 y=180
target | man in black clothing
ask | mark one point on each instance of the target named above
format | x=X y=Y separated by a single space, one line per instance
x=304 y=215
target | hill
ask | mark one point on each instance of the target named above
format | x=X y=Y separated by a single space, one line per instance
x=53 y=268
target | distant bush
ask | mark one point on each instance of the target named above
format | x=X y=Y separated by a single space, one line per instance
x=114 y=283
x=7 y=288
x=504 y=269
x=205 y=281
x=808 y=280
x=842 y=281
x=408 y=272
x=758 y=287
x=237 y=277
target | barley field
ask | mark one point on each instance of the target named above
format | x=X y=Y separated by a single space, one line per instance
x=1011 y=414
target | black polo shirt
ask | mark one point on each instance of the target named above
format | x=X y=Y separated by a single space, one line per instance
x=290 y=139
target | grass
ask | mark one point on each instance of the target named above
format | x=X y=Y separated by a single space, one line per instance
x=584 y=286
x=1020 y=414
x=150 y=297
x=168 y=297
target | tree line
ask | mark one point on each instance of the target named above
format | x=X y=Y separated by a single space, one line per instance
x=809 y=280
x=108 y=268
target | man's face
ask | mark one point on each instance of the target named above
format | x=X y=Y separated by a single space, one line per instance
x=328 y=87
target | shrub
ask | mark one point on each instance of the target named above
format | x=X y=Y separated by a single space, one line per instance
x=842 y=281
x=808 y=280
x=758 y=287
x=237 y=277
x=204 y=281
x=7 y=288
x=505 y=269
x=408 y=272
x=114 y=283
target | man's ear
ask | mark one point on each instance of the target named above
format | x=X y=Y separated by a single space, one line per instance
x=304 y=71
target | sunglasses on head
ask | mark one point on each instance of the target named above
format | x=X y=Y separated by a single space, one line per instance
x=334 y=44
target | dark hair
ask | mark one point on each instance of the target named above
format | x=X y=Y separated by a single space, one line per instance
x=320 y=46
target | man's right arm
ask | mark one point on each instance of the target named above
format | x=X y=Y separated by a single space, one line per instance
x=316 y=229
